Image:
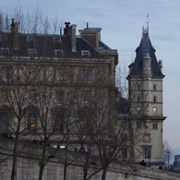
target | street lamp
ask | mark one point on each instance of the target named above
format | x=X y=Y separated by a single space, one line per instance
x=168 y=153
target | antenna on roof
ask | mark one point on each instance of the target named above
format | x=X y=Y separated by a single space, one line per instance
x=60 y=30
x=147 y=17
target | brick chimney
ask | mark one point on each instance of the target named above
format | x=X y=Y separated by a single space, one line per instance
x=92 y=35
x=71 y=32
x=15 y=35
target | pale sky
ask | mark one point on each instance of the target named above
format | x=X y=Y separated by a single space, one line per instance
x=121 y=22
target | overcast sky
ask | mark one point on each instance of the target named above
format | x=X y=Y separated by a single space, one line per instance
x=121 y=22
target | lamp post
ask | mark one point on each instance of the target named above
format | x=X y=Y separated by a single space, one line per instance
x=168 y=153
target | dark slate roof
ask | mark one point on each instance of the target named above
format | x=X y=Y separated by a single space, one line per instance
x=45 y=45
x=144 y=48
x=103 y=46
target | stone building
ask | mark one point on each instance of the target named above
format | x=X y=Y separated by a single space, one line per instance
x=55 y=86
x=49 y=81
x=146 y=103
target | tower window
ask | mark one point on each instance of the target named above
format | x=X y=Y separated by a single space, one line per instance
x=138 y=110
x=147 y=153
x=154 y=110
x=138 y=99
x=155 y=125
x=154 y=99
x=139 y=87
x=146 y=138
x=154 y=87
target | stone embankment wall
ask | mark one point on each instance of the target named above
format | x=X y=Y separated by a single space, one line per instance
x=28 y=166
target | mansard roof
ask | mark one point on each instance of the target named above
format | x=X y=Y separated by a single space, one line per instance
x=145 y=48
x=45 y=45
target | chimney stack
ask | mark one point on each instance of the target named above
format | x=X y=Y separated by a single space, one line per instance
x=15 y=35
x=73 y=37
x=71 y=32
x=92 y=35
x=66 y=29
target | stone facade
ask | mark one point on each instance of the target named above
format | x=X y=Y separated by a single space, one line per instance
x=73 y=73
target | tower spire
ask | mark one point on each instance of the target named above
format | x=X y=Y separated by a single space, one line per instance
x=147 y=17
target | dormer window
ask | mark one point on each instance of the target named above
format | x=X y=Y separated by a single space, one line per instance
x=58 y=53
x=4 y=51
x=30 y=40
x=85 y=53
x=32 y=52
x=57 y=40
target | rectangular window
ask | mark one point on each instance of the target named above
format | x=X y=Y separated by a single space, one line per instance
x=154 y=110
x=58 y=117
x=146 y=138
x=31 y=94
x=32 y=121
x=138 y=99
x=138 y=110
x=154 y=99
x=155 y=125
x=87 y=75
x=154 y=87
x=139 y=87
x=147 y=153
x=85 y=53
x=59 y=97
x=33 y=74
x=5 y=74
x=138 y=125
x=60 y=74
x=4 y=120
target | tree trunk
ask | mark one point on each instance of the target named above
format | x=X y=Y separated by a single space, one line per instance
x=14 y=163
x=65 y=170
x=103 y=177
x=85 y=168
x=42 y=163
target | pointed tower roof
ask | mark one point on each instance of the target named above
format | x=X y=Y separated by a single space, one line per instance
x=144 y=51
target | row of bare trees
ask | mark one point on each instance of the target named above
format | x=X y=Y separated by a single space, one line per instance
x=35 y=109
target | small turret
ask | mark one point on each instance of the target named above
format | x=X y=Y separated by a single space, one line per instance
x=160 y=65
x=147 y=65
